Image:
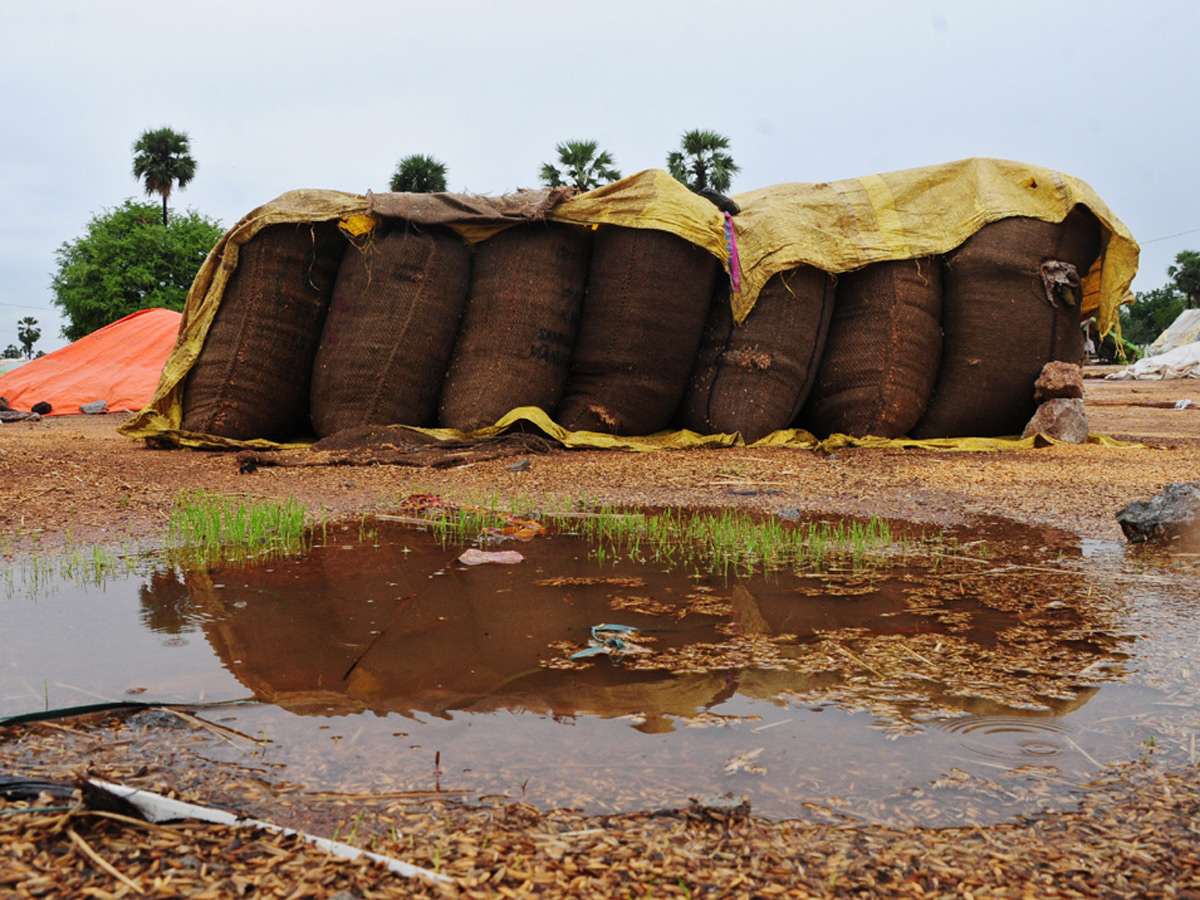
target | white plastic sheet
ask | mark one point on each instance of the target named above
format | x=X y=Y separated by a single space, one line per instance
x=1182 y=362
x=1184 y=330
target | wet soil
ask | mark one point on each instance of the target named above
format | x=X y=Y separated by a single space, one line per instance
x=76 y=477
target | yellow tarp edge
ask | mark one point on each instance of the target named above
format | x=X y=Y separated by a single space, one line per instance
x=650 y=199
x=793 y=438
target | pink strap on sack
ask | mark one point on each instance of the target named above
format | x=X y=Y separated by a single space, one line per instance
x=731 y=243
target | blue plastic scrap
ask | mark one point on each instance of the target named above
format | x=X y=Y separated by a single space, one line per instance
x=607 y=641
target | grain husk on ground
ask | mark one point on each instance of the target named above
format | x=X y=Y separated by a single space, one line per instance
x=1132 y=836
x=643 y=314
x=754 y=378
x=881 y=360
x=1003 y=320
x=514 y=345
x=251 y=379
x=392 y=320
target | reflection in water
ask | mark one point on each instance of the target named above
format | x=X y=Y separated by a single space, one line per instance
x=807 y=692
x=400 y=628
x=166 y=604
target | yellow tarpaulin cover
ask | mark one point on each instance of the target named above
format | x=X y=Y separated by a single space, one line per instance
x=795 y=438
x=840 y=226
x=836 y=226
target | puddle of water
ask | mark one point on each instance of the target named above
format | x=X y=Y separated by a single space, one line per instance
x=941 y=695
x=132 y=639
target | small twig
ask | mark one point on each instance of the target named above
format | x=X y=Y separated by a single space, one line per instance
x=910 y=650
x=982 y=562
x=384 y=795
x=1136 y=715
x=129 y=820
x=747 y=481
x=1087 y=755
x=378 y=637
x=1011 y=771
x=851 y=814
x=593 y=515
x=1013 y=568
x=219 y=730
x=862 y=662
x=406 y=520
x=769 y=725
x=101 y=861
x=85 y=692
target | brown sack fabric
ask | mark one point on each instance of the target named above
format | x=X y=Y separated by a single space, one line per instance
x=251 y=379
x=754 y=378
x=390 y=329
x=883 y=352
x=1008 y=309
x=514 y=344
x=646 y=303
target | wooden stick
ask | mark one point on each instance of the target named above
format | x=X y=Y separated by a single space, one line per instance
x=101 y=861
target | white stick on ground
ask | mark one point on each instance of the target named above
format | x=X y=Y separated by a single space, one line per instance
x=157 y=808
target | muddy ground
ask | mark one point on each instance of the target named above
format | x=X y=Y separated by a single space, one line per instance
x=75 y=479
x=76 y=476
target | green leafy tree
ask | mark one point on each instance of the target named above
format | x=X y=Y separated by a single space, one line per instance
x=127 y=261
x=1154 y=310
x=419 y=174
x=1186 y=276
x=12 y=351
x=162 y=160
x=580 y=166
x=702 y=163
x=28 y=334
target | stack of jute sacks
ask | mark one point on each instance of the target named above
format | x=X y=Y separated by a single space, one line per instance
x=640 y=308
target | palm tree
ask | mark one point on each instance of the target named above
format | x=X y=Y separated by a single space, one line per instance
x=701 y=162
x=28 y=334
x=162 y=159
x=419 y=174
x=582 y=167
x=1186 y=275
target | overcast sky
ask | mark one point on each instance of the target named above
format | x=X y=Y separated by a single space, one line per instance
x=299 y=94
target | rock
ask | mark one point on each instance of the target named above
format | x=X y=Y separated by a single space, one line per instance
x=156 y=720
x=1172 y=516
x=475 y=557
x=95 y=408
x=718 y=807
x=1063 y=419
x=1058 y=379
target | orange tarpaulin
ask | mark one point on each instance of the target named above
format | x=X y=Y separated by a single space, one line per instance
x=119 y=364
